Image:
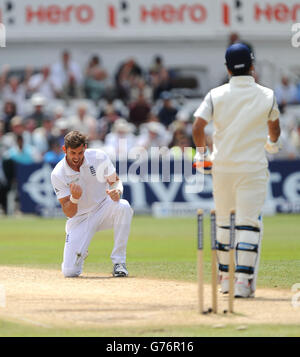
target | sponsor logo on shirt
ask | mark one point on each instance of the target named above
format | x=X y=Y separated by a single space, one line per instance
x=93 y=171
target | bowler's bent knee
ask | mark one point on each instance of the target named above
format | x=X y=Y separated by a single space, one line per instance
x=125 y=206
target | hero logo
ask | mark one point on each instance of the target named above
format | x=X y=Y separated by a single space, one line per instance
x=234 y=11
x=167 y=14
x=55 y=14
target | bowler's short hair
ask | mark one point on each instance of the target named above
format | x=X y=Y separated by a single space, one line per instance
x=74 y=139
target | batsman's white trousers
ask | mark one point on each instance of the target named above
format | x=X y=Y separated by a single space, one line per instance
x=243 y=192
x=80 y=230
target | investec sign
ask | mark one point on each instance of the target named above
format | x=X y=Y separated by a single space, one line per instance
x=100 y=19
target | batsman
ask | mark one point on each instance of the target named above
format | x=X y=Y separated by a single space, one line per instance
x=89 y=191
x=246 y=124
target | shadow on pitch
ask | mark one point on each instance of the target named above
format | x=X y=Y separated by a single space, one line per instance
x=103 y=277
x=260 y=298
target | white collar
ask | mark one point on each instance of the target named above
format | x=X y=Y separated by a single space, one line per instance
x=69 y=171
x=241 y=80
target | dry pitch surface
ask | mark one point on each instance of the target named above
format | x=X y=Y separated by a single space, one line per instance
x=45 y=298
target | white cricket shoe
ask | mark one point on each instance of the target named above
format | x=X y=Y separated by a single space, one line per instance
x=120 y=270
x=224 y=284
x=242 y=288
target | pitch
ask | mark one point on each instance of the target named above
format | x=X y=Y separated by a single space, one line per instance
x=160 y=296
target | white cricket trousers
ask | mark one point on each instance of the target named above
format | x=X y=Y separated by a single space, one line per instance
x=81 y=229
x=245 y=193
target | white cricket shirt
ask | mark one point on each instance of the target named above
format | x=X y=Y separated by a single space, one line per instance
x=240 y=111
x=95 y=168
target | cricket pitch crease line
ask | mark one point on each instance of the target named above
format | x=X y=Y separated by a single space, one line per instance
x=32 y=322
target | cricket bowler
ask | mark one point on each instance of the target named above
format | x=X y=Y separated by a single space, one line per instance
x=246 y=123
x=89 y=191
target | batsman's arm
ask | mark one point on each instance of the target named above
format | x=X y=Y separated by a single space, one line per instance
x=274 y=130
x=198 y=132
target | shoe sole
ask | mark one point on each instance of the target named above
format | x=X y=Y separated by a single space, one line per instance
x=120 y=275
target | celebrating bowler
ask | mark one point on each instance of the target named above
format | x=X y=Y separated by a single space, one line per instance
x=89 y=191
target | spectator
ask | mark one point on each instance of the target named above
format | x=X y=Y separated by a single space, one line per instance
x=152 y=117
x=58 y=114
x=17 y=128
x=29 y=128
x=167 y=113
x=6 y=173
x=181 y=145
x=43 y=135
x=159 y=77
x=140 y=86
x=15 y=91
x=39 y=113
x=55 y=154
x=95 y=83
x=286 y=92
x=139 y=110
x=155 y=135
x=287 y=119
x=121 y=139
x=83 y=122
x=106 y=121
x=124 y=77
x=2 y=147
x=295 y=139
x=23 y=153
x=182 y=120
x=61 y=130
x=42 y=83
x=6 y=180
x=66 y=74
x=9 y=111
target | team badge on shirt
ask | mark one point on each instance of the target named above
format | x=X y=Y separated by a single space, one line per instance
x=93 y=171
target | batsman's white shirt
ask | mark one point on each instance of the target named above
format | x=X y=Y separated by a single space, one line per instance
x=95 y=168
x=239 y=110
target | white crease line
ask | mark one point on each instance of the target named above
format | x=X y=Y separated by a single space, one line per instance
x=31 y=321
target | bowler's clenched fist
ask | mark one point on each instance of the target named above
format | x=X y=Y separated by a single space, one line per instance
x=76 y=191
x=114 y=194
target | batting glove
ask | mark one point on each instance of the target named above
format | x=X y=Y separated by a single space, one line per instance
x=203 y=162
x=273 y=147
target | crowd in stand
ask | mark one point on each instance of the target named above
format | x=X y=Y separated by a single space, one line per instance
x=40 y=106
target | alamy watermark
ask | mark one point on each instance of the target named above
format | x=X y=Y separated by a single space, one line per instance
x=153 y=165
x=2 y=35
x=295 y=40
x=2 y=296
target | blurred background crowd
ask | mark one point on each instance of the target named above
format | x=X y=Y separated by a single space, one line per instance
x=149 y=107
x=39 y=106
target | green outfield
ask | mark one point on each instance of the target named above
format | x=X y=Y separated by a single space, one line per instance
x=158 y=248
